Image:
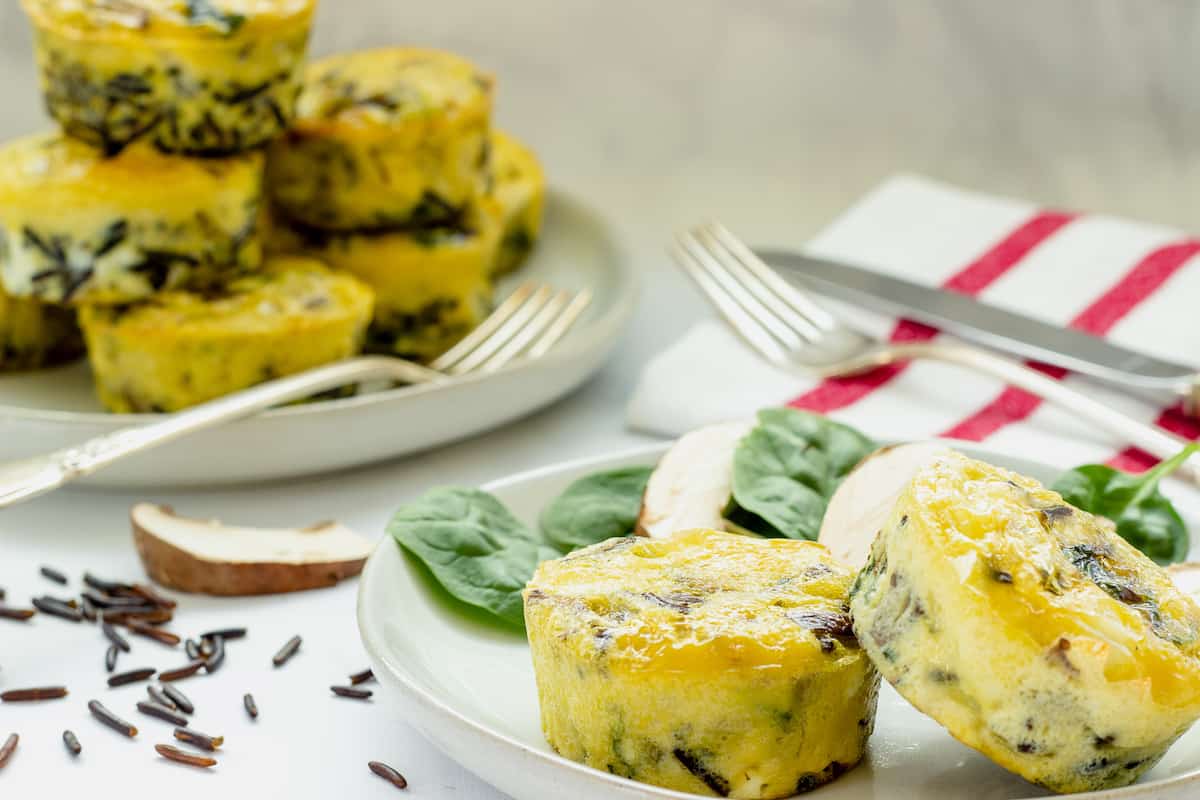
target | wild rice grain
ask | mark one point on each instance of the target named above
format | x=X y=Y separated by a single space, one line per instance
x=251 y=706
x=8 y=748
x=351 y=692
x=150 y=594
x=186 y=671
x=151 y=632
x=117 y=639
x=54 y=575
x=175 y=754
x=192 y=649
x=72 y=743
x=161 y=712
x=214 y=661
x=39 y=693
x=132 y=676
x=225 y=633
x=57 y=608
x=388 y=774
x=110 y=719
x=198 y=739
x=19 y=614
x=287 y=651
x=110 y=658
x=361 y=677
x=160 y=697
x=179 y=698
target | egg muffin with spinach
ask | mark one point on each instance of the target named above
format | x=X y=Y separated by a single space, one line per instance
x=34 y=334
x=202 y=77
x=383 y=139
x=1028 y=628
x=519 y=190
x=80 y=227
x=431 y=286
x=705 y=662
x=181 y=348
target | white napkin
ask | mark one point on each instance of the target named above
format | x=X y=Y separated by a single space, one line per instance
x=1135 y=283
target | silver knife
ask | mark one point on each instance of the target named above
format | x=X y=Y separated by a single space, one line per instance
x=969 y=319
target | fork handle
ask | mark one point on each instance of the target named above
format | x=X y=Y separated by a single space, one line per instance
x=1150 y=438
x=64 y=466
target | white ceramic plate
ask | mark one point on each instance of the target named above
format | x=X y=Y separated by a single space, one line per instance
x=42 y=411
x=470 y=689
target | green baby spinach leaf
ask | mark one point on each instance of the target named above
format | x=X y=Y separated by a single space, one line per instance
x=595 y=508
x=475 y=548
x=786 y=469
x=1144 y=517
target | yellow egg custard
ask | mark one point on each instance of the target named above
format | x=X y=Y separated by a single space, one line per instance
x=431 y=286
x=1028 y=628
x=519 y=189
x=182 y=348
x=383 y=139
x=705 y=662
x=80 y=227
x=203 y=77
x=34 y=334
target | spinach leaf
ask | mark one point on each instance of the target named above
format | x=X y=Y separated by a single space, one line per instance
x=1144 y=517
x=787 y=468
x=595 y=508
x=474 y=547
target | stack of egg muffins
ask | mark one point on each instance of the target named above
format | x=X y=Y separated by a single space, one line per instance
x=215 y=216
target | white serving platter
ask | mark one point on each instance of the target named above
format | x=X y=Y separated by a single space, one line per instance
x=45 y=410
x=470 y=689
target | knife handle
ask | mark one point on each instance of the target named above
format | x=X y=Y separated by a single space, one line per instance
x=1151 y=438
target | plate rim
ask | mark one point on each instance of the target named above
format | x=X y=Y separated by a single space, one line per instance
x=373 y=643
x=588 y=336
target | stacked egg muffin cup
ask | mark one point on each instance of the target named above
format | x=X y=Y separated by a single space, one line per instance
x=144 y=219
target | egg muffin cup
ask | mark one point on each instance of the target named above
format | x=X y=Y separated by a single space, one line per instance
x=202 y=78
x=178 y=349
x=34 y=334
x=79 y=227
x=706 y=662
x=384 y=139
x=518 y=187
x=1028 y=628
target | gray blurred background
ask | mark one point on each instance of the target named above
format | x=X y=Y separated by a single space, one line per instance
x=772 y=116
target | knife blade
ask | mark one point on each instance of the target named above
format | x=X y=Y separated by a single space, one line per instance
x=990 y=326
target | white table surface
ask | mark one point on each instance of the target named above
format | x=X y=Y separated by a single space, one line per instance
x=769 y=116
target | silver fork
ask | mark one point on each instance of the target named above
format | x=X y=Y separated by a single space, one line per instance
x=788 y=328
x=527 y=324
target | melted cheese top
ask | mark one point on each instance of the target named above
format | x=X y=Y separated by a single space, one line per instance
x=701 y=600
x=169 y=18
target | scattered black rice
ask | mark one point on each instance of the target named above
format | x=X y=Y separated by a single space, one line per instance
x=8 y=748
x=175 y=754
x=118 y=602
x=54 y=575
x=132 y=676
x=179 y=698
x=287 y=651
x=162 y=712
x=151 y=632
x=110 y=658
x=19 y=614
x=251 y=706
x=351 y=692
x=117 y=639
x=217 y=658
x=72 y=742
x=361 y=677
x=57 y=608
x=160 y=697
x=39 y=693
x=186 y=671
x=225 y=633
x=110 y=719
x=198 y=739
x=388 y=774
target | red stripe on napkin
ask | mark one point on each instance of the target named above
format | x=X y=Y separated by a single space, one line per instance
x=1174 y=419
x=1013 y=405
x=834 y=393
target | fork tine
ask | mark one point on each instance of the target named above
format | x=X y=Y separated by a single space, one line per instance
x=484 y=331
x=747 y=327
x=560 y=326
x=503 y=332
x=522 y=339
x=723 y=275
x=799 y=302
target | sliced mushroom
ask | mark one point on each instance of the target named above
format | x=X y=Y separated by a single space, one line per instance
x=693 y=482
x=860 y=506
x=196 y=555
x=1187 y=578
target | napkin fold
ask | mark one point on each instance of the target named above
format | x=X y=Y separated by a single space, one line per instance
x=1134 y=283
